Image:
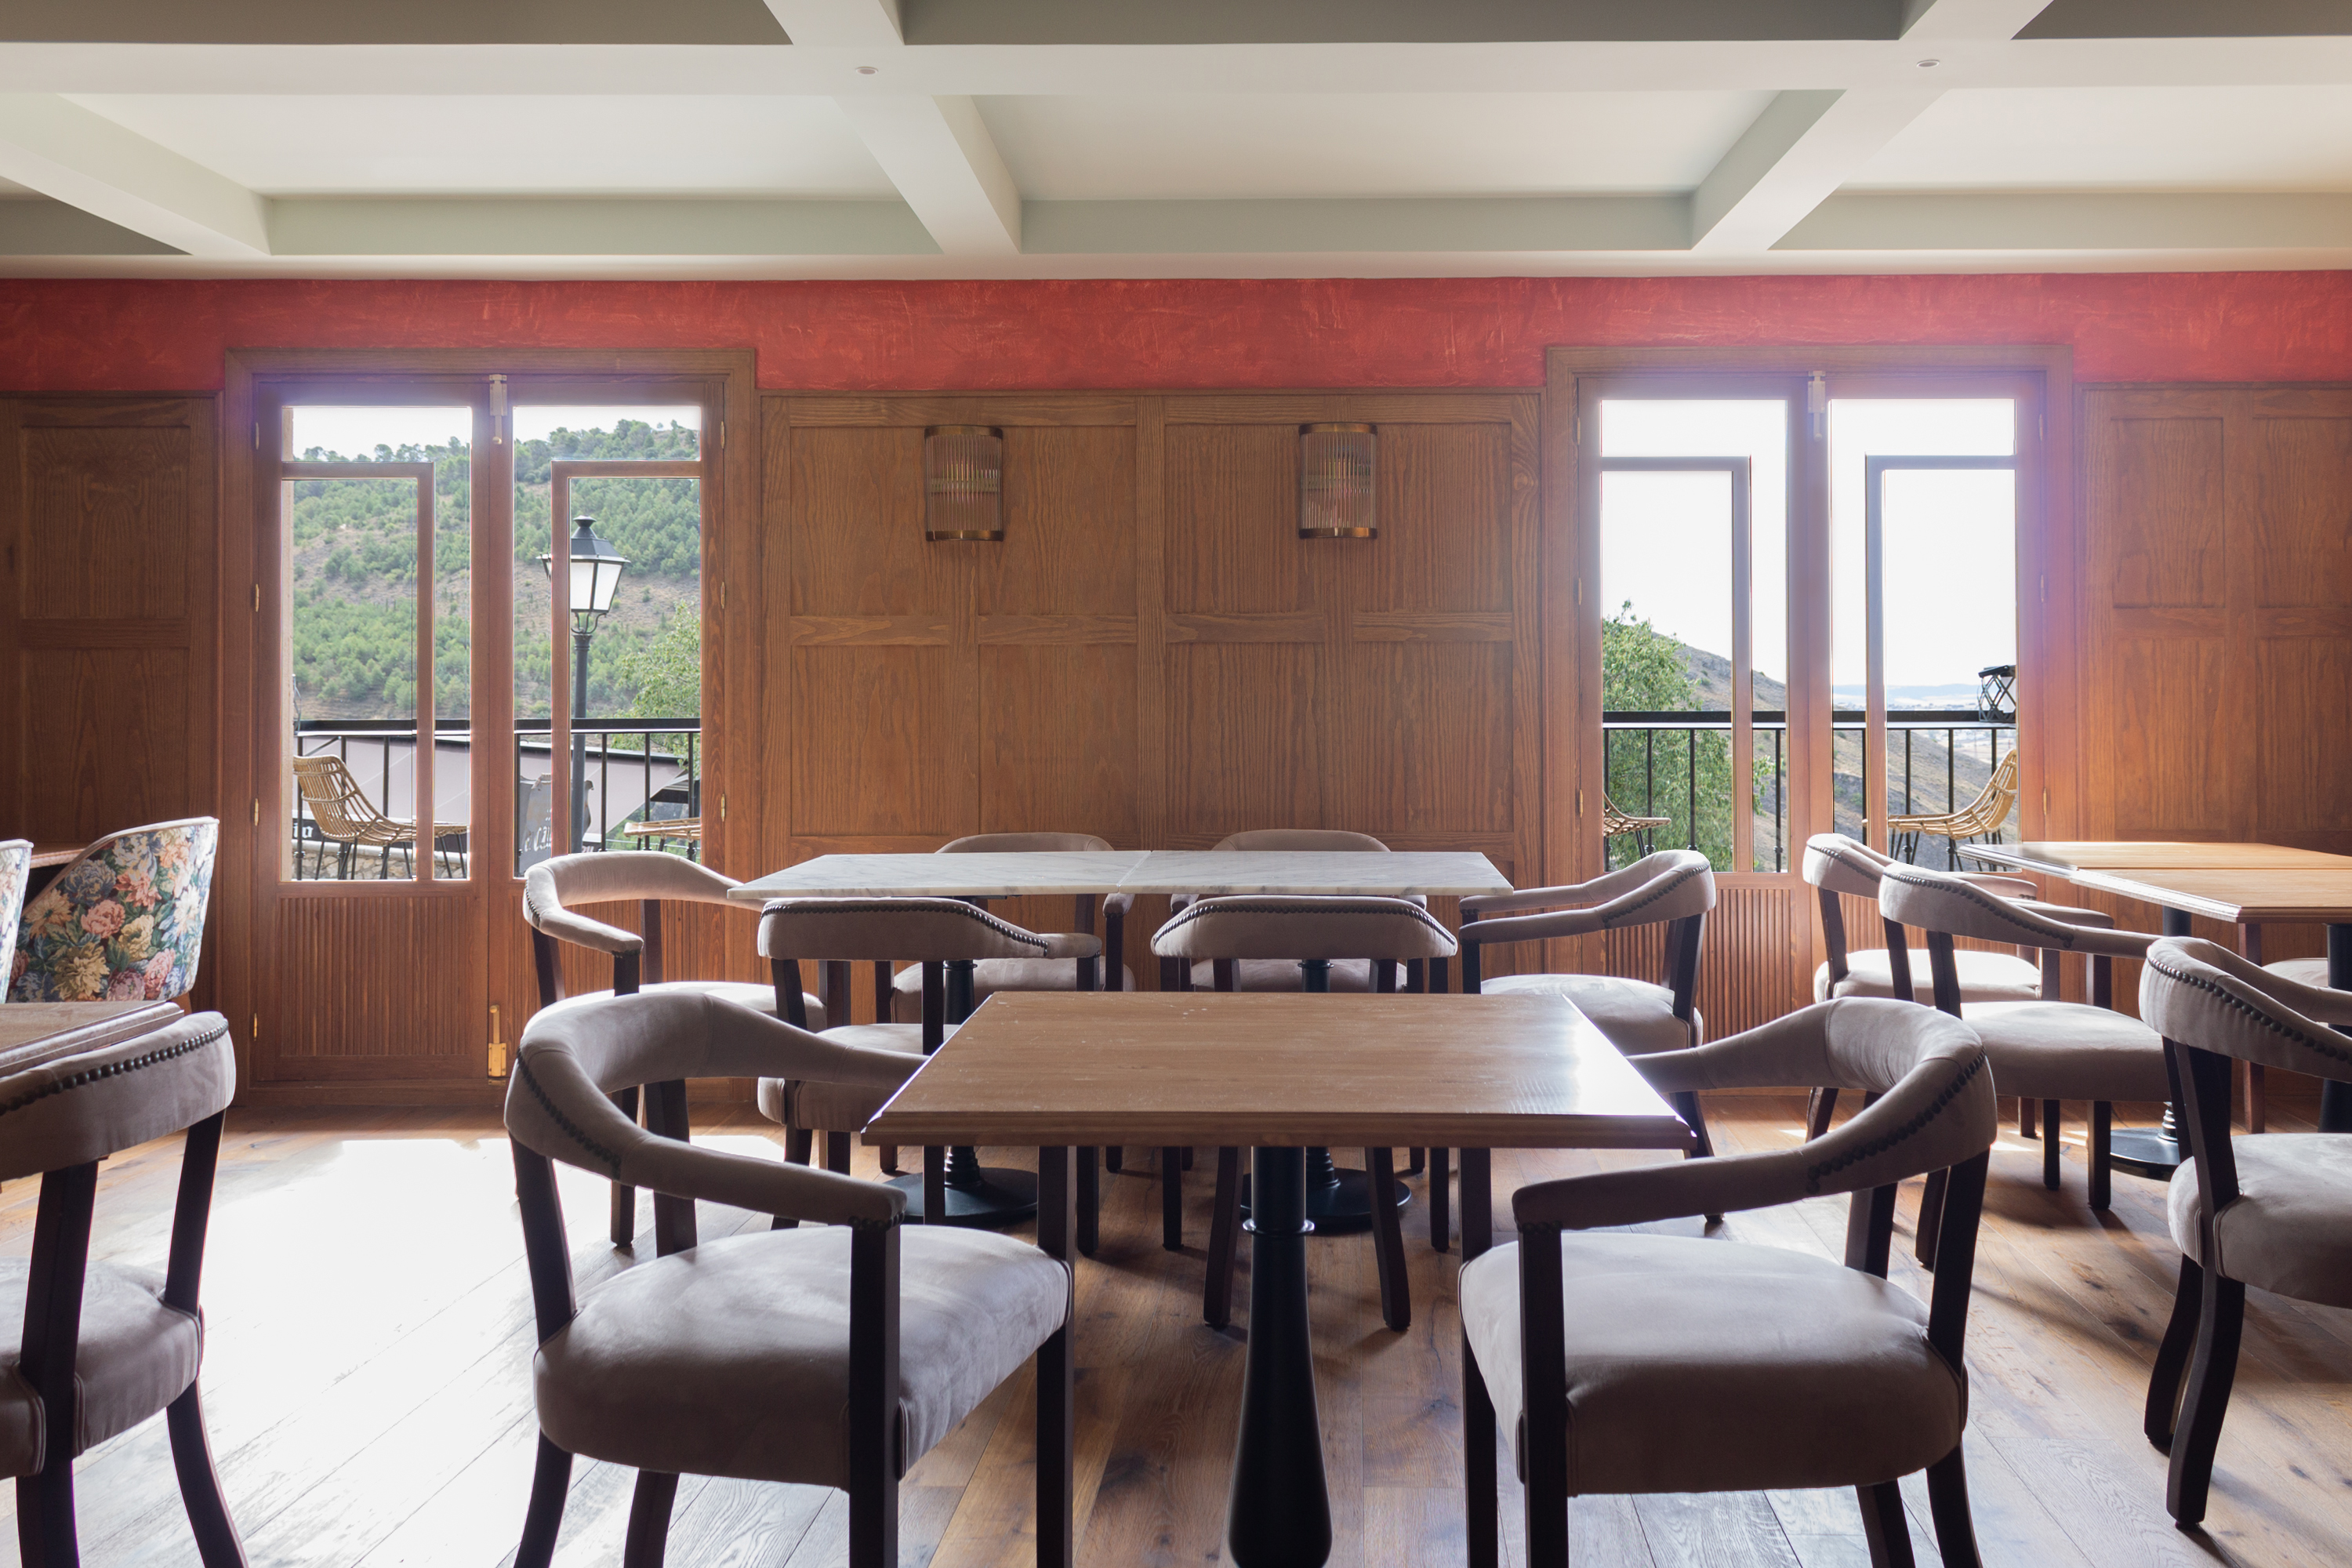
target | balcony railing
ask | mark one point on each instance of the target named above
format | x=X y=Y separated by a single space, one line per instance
x=640 y=774
x=1676 y=765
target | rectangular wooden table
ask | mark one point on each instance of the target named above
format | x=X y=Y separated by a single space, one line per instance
x=1207 y=872
x=32 y=1032
x=1276 y=1072
x=2064 y=857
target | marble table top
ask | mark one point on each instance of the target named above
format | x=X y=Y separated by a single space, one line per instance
x=1203 y=872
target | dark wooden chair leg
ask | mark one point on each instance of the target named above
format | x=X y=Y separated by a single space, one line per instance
x=1884 y=1527
x=1089 y=1201
x=625 y=1199
x=837 y=1153
x=935 y=1186
x=1947 y=1505
x=1686 y=1106
x=1441 y=1198
x=1416 y=1162
x=1387 y=1240
x=1171 y=1199
x=544 y=1520
x=1818 y=1114
x=888 y=1155
x=2050 y=1148
x=200 y=1488
x=2257 y=1099
x=648 y=1535
x=1481 y=1515
x=799 y=1144
x=2172 y=1357
x=1187 y=1155
x=2025 y=1117
x=2223 y=1313
x=1114 y=1158
x=1930 y=1227
x=44 y=1517
x=1224 y=1240
x=2102 y=1125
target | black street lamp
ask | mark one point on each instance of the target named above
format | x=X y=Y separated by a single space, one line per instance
x=595 y=574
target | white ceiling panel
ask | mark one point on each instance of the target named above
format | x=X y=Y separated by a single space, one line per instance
x=379 y=145
x=1328 y=144
x=2131 y=138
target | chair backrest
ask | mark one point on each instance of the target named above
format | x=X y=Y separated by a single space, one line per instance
x=15 y=870
x=943 y=935
x=554 y=889
x=1946 y=906
x=1835 y=864
x=337 y=803
x=1024 y=844
x=1674 y=888
x=1328 y=839
x=1932 y=1107
x=125 y=920
x=1311 y=930
x=57 y=1112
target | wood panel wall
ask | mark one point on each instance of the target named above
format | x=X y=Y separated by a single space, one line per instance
x=108 y=512
x=2218 y=601
x=1152 y=654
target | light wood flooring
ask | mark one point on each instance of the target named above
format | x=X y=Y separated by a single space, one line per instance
x=367 y=1379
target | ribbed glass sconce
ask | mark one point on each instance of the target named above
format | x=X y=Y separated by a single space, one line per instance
x=963 y=482
x=1336 y=465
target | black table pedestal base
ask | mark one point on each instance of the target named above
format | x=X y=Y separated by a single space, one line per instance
x=1338 y=1202
x=2151 y=1151
x=985 y=1197
x=1278 y=1512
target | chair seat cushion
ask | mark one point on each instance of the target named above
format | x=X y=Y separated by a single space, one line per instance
x=2069 y=1050
x=1350 y=975
x=732 y=1358
x=1984 y=976
x=749 y=993
x=1698 y=1365
x=2290 y=1229
x=135 y=1356
x=842 y=1106
x=989 y=975
x=2302 y=971
x=1636 y=1016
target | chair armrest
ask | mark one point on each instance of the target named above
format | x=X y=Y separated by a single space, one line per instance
x=1574 y=896
x=2007 y=887
x=1680 y=1190
x=1073 y=944
x=2097 y=919
x=1118 y=905
x=569 y=926
x=762 y=1186
x=1529 y=928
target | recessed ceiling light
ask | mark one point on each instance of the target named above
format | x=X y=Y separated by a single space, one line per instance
x=1929 y=65
x=868 y=71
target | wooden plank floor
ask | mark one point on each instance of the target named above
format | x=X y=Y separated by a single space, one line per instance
x=369 y=1345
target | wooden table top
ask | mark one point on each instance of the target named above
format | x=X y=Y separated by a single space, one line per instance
x=2063 y=858
x=1278 y=1069
x=2247 y=896
x=34 y=1032
x=1205 y=872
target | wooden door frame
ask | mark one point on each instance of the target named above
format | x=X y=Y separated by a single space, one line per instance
x=731 y=551
x=2050 y=552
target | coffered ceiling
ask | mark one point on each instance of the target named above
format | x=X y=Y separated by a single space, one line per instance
x=1141 y=138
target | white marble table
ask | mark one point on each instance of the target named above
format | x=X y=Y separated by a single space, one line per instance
x=1207 y=872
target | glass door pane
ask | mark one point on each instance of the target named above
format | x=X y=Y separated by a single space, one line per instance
x=377 y=651
x=617 y=762
x=1923 y=503
x=1695 y=628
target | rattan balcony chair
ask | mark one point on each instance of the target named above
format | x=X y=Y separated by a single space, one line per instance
x=1982 y=818
x=347 y=819
x=1615 y=823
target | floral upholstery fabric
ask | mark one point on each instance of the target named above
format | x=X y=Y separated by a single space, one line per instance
x=15 y=867
x=125 y=921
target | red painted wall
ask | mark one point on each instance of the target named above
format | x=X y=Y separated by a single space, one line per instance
x=155 y=335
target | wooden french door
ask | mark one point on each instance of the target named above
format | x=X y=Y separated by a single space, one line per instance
x=381 y=650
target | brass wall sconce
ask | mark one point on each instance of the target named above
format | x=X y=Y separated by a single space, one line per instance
x=963 y=482
x=1337 y=467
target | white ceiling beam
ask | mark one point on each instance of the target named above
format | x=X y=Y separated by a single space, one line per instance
x=1960 y=19
x=946 y=166
x=86 y=160
x=1453 y=226
x=840 y=24
x=2077 y=222
x=44 y=227
x=1796 y=153
x=511 y=226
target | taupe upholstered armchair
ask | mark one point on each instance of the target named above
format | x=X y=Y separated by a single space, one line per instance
x=947 y=939
x=1619 y=1362
x=1835 y=864
x=103 y=1347
x=2273 y=1212
x=989 y=975
x=1314 y=936
x=831 y=1356
x=553 y=893
x=1674 y=888
x=2045 y=1051
x=1277 y=973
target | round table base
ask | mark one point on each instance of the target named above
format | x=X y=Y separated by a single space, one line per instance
x=2145 y=1152
x=1340 y=1204
x=993 y=1197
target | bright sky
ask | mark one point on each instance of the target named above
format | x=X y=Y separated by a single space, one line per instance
x=1951 y=536
x=356 y=432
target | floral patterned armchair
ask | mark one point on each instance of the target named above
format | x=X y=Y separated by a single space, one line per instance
x=123 y=922
x=15 y=867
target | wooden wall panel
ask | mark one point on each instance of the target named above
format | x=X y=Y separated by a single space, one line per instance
x=1245 y=739
x=78 y=706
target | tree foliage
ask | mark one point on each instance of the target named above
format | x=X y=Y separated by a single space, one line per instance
x=1675 y=774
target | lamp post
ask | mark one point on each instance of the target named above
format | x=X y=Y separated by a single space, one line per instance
x=595 y=574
